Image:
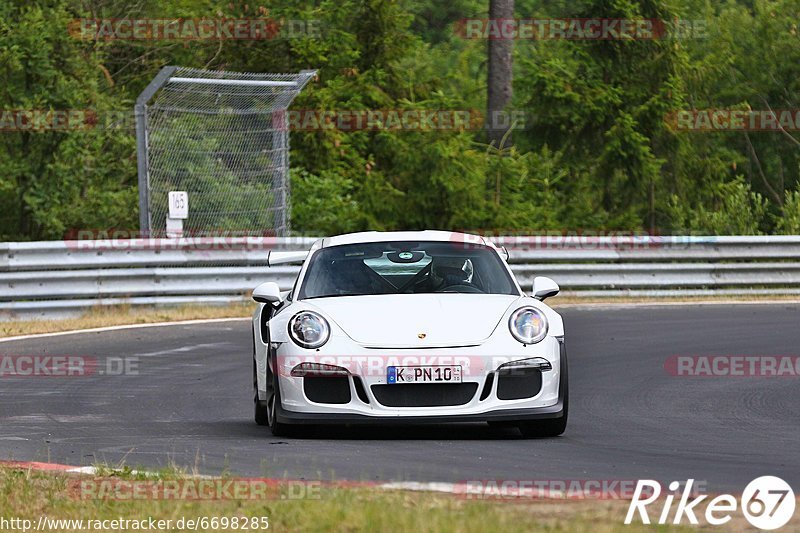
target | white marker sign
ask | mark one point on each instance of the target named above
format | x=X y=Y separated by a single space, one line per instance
x=179 y=204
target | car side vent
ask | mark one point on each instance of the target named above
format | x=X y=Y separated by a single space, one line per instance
x=487 y=388
x=360 y=390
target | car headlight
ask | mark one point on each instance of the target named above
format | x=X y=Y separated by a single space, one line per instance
x=528 y=325
x=309 y=330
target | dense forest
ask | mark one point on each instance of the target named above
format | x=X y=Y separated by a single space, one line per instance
x=597 y=150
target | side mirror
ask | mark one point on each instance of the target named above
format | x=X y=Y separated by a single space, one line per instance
x=544 y=287
x=267 y=293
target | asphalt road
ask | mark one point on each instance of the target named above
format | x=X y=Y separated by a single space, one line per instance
x=189 y=403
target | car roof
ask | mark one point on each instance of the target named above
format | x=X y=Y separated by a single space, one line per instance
x=384 y=236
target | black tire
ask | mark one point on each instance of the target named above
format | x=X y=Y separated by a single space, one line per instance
x=542 y=429
x=550 y=427
x=260 y=413
x=273 y=400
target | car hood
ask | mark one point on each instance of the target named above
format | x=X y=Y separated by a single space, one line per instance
x=417 y=320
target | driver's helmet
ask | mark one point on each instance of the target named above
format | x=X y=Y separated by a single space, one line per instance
x=446 y=271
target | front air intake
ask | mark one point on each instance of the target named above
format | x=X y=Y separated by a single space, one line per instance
x=327 y=389
x=518 y=382
x=424 y=394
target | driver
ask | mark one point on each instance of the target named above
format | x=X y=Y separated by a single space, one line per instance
x=447 y=271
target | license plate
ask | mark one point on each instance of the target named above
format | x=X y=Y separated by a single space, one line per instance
x=423 y=374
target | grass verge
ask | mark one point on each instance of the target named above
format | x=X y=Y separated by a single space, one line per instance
x=564 y=299
x=29 y=495
x=123 y=315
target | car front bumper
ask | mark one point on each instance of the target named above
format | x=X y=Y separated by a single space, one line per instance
x=549 y=402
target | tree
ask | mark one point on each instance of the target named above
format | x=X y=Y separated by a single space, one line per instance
x=500 y=75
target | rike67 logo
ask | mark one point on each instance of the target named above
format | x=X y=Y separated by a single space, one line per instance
x=767 y=502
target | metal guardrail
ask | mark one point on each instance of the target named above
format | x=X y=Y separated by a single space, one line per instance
x=62 y=277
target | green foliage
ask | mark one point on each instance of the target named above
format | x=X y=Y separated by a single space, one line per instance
x=596 y=152
x=731 y=208
x=55 y=180
x=328 y=205
x=789 y=222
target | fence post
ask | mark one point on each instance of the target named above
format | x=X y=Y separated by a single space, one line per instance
x=145 y=224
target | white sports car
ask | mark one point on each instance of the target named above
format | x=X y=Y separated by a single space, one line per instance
x=411 y=327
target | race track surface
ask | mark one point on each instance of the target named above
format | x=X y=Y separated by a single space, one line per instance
x=191 y=405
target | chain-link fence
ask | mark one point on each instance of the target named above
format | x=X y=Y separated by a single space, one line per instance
x=221 y=137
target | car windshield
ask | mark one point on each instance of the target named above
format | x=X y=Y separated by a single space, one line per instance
x=405 y=268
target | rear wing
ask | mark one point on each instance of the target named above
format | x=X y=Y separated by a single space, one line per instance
x=286 y=258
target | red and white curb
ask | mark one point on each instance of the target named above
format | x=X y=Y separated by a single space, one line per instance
x=49 y=467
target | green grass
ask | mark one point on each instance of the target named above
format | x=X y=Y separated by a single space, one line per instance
x=31 y=494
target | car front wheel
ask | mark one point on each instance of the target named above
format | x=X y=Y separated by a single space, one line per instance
x=544 y=428
x=261 y=415
x=550 y=427
x=273 y=400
